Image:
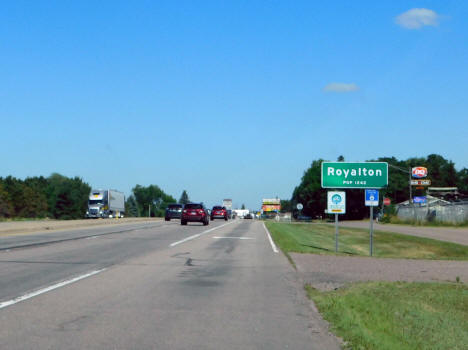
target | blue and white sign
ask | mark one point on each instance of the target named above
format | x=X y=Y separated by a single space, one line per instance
x=372 y=198
x=336 y=202
x=420 y=199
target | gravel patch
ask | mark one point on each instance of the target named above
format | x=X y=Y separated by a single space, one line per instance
x=326 y=272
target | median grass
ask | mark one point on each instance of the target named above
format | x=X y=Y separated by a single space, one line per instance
x=320 y=239
x=389 y=315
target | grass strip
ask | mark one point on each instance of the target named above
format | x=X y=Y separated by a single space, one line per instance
x=320 y=239
x=397 y=315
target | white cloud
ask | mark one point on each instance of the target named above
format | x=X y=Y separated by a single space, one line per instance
x=340 y=87
x=417 y=18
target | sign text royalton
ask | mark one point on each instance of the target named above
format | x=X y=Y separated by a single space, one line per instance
x=354 y=175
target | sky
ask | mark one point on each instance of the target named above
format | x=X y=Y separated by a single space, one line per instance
x=227 y=99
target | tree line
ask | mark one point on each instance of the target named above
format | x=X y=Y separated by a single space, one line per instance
x=61 y=197
x=56 y=196
x=313 y=197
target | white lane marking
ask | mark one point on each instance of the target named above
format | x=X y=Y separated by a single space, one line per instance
x=92 y=237
x=273 y=246
x=47 y=289
x=217 y=237
x=198 y=234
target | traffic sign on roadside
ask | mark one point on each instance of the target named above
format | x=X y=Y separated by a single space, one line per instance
x=299 y=206
x=354 y=175
x=387 y=201
x=420 y=199
x=336 y=202
x=371 y=198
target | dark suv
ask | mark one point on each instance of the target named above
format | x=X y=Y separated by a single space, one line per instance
x=173 y=211
x=219 y=212
x=195 y=212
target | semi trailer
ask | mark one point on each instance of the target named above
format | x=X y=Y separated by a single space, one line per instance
x=106 y=204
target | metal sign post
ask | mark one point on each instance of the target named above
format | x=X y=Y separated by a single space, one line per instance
x=371 y=199
x=336 y=205
x=336 y=233
x=371 y=229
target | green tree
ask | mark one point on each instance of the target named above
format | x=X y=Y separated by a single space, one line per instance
x=67 y=197
x=152 y=196
x=243 y=206
x=286 y=206
x=131 y=207
x=184 y=198
x=462 y=183
x=6 y=208
x=310 y=193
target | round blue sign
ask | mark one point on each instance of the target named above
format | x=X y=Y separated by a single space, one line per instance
x=336 y=199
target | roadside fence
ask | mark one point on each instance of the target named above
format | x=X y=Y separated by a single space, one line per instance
x=453 y=212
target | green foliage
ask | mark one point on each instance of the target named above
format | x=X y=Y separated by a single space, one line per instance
x=67 y=197
x=37 y=197
x=286 y=206
x=131 y=207
x=152 y=197
x=310 y=192
x=6 y=208
x=462 y=183
x=397 y=315
x=184 y=198
x=243 y=206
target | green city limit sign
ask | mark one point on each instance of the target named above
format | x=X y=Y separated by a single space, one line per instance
x=354 y=175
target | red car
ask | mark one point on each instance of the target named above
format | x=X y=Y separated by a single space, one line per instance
x=194 y=212
x=219 y=212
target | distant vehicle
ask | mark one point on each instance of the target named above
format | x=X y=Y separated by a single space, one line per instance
x=304 y=218
x=195 y=212
x=240 y=213
x=227 y=203
x=173 y=211
x=248 y=216
x=219 y=212
x=106 y=204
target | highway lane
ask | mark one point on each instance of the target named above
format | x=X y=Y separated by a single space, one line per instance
x=224 y=289
x=18 y=240
x=74 y=252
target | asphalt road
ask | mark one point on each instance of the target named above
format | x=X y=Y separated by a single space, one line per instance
x=154 y=286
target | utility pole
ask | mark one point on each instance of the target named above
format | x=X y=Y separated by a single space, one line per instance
x=410 y=190
x=149 y=210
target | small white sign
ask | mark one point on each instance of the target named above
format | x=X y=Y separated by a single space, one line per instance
x=336 y=202
x=299 y=206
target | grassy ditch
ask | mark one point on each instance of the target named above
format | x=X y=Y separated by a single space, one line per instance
x=320 y=239
x=386 y=315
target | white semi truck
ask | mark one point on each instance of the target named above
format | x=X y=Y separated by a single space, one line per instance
x=106 y=204
x=227 y=203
